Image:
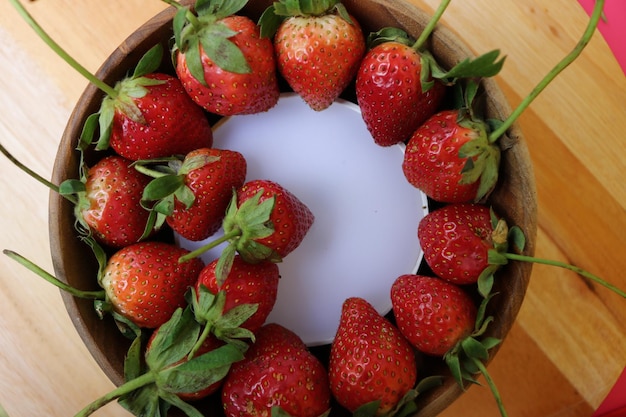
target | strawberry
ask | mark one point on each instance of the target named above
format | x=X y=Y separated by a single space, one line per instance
x=149 y=115
x=245 y=284
x=145 y=282
x=277 y=372
x=451 y=158
x=110 y=202
x=456 y=240
x=434 y=315
x=319 y=46
x=369 y=360
x=264 y=221
x=193 y=194
x=399 y=84
x=223 y=63
x=392 y=99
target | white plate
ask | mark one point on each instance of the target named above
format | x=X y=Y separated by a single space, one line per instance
x=366 y=214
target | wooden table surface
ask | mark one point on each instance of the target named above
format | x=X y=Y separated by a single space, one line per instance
x=568 y=345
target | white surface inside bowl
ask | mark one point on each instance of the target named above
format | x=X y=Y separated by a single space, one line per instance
x=366 y=214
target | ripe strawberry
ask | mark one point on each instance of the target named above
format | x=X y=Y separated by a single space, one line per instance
x=456 y=240
x=264 y=221
x=393 y=100
x=452 y=159
x=399 y=84
x=277 y=371
x=194 y=196
x=434 y=315
x=245 y=284
x=223 y=63
x=145 y=282
x=110 y=203
x=149 y=115
x=318 y=47
x=369 y=360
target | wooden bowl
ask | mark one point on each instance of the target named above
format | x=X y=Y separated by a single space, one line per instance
x=514 y=197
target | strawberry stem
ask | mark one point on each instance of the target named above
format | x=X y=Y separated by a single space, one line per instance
x=59 y=51
x=580 y=271
x=91 y=295
x=431 y=25
x=569 y=58
x=126 y=388
x=34 y=175
x=203 y=336
x=195 y=253
x=492 y=385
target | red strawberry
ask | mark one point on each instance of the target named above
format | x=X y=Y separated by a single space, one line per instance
x=111 y=202
x=318 y=47
x=392 y=98
x=369 y=360
x=167 y=123
x=224 y=64
x=434 y=315
x=452 y=159
x=245 y=284
x=145 y=282
x=263 y=222
x=456 y=240
x=290 y=218
x=277 y=371
x=149 y=115
x=399 y=84
x=194 y=197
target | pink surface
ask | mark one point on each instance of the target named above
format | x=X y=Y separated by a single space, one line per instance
x=613 y=28
x=615 y=403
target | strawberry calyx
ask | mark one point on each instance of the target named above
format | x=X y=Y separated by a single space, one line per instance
x=205 y=30
x=468 y=356
x=278 y=411
x=280 y=10
x=208 y=309
x=243 y=226
x=155 y=384
x=406 y=406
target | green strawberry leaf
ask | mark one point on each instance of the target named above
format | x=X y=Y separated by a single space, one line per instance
x=199 y=372
x=88 y=132
x=149 y=62
x=132 y=361
x=178 y=23
x=367 y=410
x=173 y=340
x=225 y=263
x=269 y=22
x=496 y=258
x=223 y=52
x=517 y=238
x=486 y=65
x=485 y=280
x=388 y=34
x=474 y=349
x=144 y=402
x=173 y=399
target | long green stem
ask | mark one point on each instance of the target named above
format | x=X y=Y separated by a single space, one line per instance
x=580 y=271
x=33 y=174
x=61 y=52
x=91 y=295
x=126 y=388
x=195 y=253
x=569 y=58
x=492 y=386
x=432 y=23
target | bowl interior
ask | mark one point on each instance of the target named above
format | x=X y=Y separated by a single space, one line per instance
x=514 y=197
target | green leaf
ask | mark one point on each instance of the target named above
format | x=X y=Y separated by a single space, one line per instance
x=269 y=22
x=71 y=186
x=490 y=342
x=389 y=34
x=228 y=8
x=132 y=361
x=199 y=372
x=454 y=364
x=194 y=61
x=202 y=303
x=149 y=62
x=162 y=187
x=236 y=316
x=368 y=409
x=173 y=340
x=88 y=132
x=474 y=349
x=185 y=195
x=486 y=65
x=183 y=406
x=105 y=122
x=485 y=281
x=225 y=264
x=517 y=238
x=178 y=23
x=144 y=402
x=223 y=52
